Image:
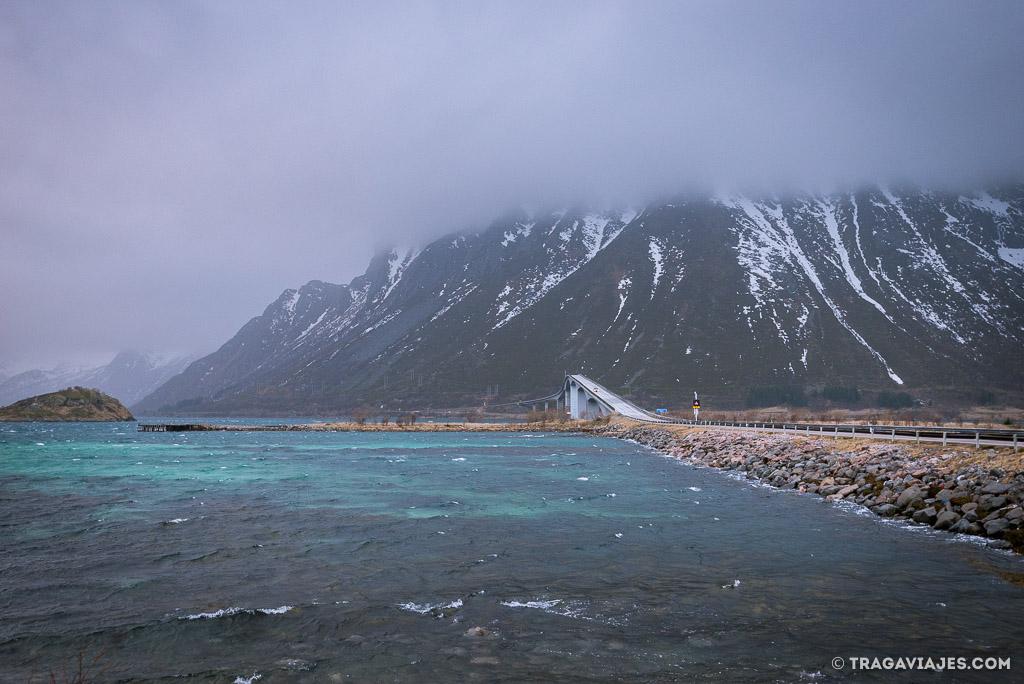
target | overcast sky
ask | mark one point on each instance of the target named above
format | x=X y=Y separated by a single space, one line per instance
x=168 y=168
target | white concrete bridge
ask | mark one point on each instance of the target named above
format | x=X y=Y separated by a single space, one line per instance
x=582 y=398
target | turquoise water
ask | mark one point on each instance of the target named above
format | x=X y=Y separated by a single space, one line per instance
x=321 y=557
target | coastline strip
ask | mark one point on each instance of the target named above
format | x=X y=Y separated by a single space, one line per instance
x=975 y=492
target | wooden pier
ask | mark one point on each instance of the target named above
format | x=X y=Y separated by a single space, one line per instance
x=174 y=427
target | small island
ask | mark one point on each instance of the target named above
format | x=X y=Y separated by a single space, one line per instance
x=68 y=405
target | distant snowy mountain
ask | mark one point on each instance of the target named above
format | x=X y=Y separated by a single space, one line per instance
x=34 y=382
x=886 y=288
x=129 y=377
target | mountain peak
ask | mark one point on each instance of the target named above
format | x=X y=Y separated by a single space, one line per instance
x=881 y=287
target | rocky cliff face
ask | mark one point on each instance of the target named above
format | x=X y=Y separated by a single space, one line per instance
x=72 y=404
x=883 y=288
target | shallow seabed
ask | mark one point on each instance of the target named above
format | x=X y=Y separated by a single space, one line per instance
x=369 y=557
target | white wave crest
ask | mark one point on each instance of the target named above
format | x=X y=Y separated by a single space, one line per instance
x=227 y=612
x=425 y=608
x=543 y=605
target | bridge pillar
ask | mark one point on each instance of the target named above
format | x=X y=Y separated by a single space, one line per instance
x=572 y=390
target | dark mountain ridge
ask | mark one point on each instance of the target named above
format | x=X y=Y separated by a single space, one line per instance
x=882 y=288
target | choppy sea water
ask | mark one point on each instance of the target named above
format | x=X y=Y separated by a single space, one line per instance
x=332 y=557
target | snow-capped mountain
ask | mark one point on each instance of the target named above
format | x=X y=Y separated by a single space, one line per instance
x=129 y=377
x=887 y=288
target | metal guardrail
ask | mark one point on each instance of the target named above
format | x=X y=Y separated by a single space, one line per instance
x=946 y=434
x=919 y=432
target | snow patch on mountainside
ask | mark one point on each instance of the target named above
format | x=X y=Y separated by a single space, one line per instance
x=1014 y=257
x=828 y=215
x=657 y=256
x=534 y=284
x=312 y=326
x=345 y=320
x=928 y=254
x=760 y=250
x=623 y=290
x=391 y=316
x=521 y=230
x=952 y=225
x=285 y=313
x=975 y=299
x=856 y=235
x=397 y=263
x=990 y=204
x=593 y=234
x=778 y=236
x=289 y=305
x=457 y=296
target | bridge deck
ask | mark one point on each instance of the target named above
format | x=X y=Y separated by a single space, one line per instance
x=613 y=403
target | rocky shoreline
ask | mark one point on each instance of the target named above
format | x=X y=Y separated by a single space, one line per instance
x=946 y=489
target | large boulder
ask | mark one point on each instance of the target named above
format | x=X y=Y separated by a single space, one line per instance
x=995 y=528
x=909 y=496
x=946 y=520
x=926 y=515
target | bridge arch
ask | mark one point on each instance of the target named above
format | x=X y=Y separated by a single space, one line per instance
x=581 y=398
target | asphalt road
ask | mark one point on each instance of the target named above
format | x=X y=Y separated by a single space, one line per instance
x=954 y=435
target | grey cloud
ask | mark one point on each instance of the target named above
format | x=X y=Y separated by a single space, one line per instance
x=166 y=169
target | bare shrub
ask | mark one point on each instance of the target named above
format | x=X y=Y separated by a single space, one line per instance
x=82 y=670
